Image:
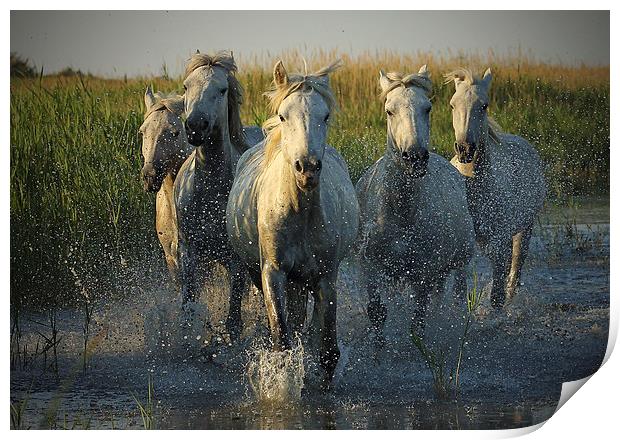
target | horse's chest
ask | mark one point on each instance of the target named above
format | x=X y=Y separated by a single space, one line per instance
x=302 y=251
x=399 y=241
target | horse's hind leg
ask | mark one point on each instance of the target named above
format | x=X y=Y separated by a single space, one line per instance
x=520 y=248
x=237 y=278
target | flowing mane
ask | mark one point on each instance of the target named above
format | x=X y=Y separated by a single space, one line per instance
x=466 y=75
x=226 y=61
x=172 y=102
x=296 y=82
x=411 y=80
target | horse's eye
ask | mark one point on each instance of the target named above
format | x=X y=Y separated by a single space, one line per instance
x=281 y=118
x=452 y=106
x=223 y=92
x=389 y=113
x=175 y=134
x=327 y=118
x=184 y=87
x=485 y=106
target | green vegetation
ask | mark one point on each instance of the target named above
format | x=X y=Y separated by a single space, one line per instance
x=76 y=198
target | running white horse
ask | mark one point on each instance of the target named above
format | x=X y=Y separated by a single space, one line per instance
x=213 y=97
x=293 y=215
x=414 y=220
x=506 y=186
x=164 y=149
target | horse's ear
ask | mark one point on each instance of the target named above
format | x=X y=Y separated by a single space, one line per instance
x=424 y=71
x=280 y=77
x=177 y=106
x=149 y=97
x=384 y=81
x=197 y=51
x=487 y=77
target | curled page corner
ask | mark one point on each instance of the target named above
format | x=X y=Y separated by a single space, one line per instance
x=569 y=389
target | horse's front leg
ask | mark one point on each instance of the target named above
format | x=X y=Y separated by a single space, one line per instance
x=377 y=311
x=324 y=322
x=501 y=264
x=520 y=247
x=428 y=288
x=187 y=262
x=274 y=290
x=237 y=279
x=460 y=284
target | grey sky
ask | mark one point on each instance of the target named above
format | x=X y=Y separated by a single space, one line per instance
x=117 y=43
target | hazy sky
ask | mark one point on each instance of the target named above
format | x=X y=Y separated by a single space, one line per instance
x=117 y=43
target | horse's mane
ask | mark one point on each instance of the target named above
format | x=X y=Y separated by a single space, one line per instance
x=172 y=102
x=226 y=61
x=466 y=75
x=306 y=83
x=462 y=74
x=414 y=79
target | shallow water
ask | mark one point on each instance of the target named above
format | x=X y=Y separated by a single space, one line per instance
x=513 y=365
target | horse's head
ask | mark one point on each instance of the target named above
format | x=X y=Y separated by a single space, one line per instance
x=408 y=107
x=207 y=89
x=303 y=104
x=163 y=138
x=469 y=113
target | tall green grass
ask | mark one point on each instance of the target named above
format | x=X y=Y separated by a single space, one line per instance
x=76 y=199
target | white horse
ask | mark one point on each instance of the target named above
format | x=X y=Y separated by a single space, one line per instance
x=505 y=183
x=164 y=149
x=414 y=220
x=212 y=103
x=292 y=213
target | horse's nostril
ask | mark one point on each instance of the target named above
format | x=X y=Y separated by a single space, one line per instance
x=298 y=166
x=319 y=164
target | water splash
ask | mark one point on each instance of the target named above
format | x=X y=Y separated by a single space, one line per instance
x=277 y=376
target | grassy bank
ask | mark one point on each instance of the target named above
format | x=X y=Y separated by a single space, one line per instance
x=80 y=220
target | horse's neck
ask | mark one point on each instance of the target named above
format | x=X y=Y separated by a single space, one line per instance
x=217 y=155
x=484 y=168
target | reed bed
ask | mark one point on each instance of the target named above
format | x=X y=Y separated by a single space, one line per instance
x=77 y=202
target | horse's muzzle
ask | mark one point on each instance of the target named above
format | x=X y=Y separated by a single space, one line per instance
x=151 y=179
x=307 y=181
x=197 y=132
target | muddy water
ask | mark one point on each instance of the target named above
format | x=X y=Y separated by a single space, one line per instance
x=513 y=362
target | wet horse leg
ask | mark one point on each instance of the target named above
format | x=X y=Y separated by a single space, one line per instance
x=237 y=279
x=324 y=328
x=377 y=311
x=296 y=302
x=274 y=284
x=501 y=263
x=434 y=287
x=460 y=284
x=520 y=247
